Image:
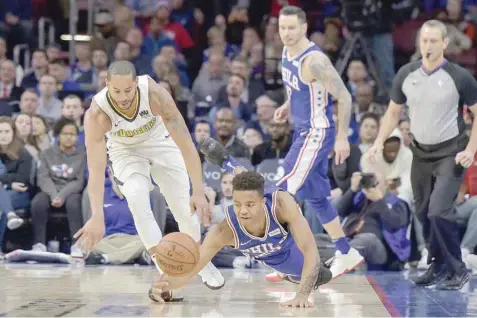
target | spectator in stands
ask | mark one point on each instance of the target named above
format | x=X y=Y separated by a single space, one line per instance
x=395 y=165
x=106 y=37
x=249 y=39
x=266 y=105
x=368 y=131
x=252 y=138
x=122 y=52
x=254 y=86
x=169 y=52
x=16 y=21
x=237 y=21
x=141 y=61
x=364 y=102
x=58 y=70
x=225 y=126
x=202 y=131
x=53 y=52
x=83 y=61
x=404 y=127
x=123 y=18
x=39 y=64
x=183 y=15
x=73 y=109
x=257 y=64
x=357 y=74
x=174 y=30
x=212 y=77
x=368 y=213
x=49 y=104
x=29 y=102
x=3 y=48
x=100 y=63
x=121 y=244
x=8 y=88
x=218 y=43
x=61 y=179
x=39 y=138
x=235 y=87
x=23 y=126
x=332 y=34
x=156 y=38
x=16 y=164
x=275 y=148
x=182 y=95
x=272 y=61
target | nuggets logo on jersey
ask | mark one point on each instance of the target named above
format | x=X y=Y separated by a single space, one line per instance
x=138 y=131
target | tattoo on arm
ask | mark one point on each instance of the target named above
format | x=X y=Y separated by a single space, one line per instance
x=323 y=71
x=309 y=283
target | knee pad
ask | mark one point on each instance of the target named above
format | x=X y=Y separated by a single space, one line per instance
x=324 y=209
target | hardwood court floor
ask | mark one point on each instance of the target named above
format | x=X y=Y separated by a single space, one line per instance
x=112 y=291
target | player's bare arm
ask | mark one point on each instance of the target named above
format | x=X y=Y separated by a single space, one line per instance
x=288 y=213
x=390 y=121
x=466 y=158
x=318 y=67
x=163 y=105
x=96 y=125
x=219 y=236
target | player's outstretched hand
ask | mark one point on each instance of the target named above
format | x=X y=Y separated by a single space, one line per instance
x=199 y=204
x=299 y=301
x=375 y=151
x=90 y=234
x=342 y=150
x=159 y=290
x=464 y=158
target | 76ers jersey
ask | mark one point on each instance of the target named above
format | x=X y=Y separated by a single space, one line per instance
x=142 y=126
x=310 y=103
x=277 y=248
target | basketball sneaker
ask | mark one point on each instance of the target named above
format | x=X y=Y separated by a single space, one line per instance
x=211 y=277
x=343 y=263
x=274 y=277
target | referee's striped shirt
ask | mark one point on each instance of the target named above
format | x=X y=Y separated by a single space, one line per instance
x=435 y=99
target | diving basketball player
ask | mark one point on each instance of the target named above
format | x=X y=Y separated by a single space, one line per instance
x=146 y=136
x=311 y=81
x=264 y=223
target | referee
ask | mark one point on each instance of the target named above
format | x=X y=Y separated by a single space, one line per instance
x=435 y=91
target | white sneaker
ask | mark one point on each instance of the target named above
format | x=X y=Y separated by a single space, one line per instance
x=344 y=263
x=422 y=264
x=39 y=247
x=472 y=261
x=14 y=223
x=211 y=277
x=76 y=253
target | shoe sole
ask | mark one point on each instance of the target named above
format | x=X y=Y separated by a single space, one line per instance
x=347 y=270
x=213 y=287
x=456 y=287
x=432 y=283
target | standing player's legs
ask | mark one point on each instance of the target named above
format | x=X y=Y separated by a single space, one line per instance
x=306 y=177
x=170 y=173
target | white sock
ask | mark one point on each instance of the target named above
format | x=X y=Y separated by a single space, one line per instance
x=136 y=191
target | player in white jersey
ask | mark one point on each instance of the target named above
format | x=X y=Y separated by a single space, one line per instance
x=146 y=136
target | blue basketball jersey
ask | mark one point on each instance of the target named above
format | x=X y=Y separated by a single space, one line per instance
x=277 y=248
x=310 y=103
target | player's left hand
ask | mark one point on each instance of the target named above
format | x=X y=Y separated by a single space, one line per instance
x=299 y=301
x=341 y=150
x=199 y=204
x=465 y=158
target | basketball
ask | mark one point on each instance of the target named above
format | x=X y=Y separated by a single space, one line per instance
x=177 y=254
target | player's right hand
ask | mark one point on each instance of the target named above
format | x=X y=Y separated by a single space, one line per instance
x=91 y=233
x=375 y=151
x=281 y=114
x=199 y=205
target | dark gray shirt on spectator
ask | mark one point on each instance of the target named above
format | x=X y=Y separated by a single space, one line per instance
x=435 y=100
x=60 y=174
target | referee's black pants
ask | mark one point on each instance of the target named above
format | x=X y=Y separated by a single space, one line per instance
x=436 y=181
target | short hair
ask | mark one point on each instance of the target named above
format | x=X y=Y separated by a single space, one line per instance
x=48 y=75
x=403 y=120
x=58 y=62
x=239 y=76
x=31 y=91
x=436 y=24
x=40 y=51
x=121 y=68
x=370 y=116
x=203 y=121
x=54 y=46
x=293 y=10
x=249 y=181
x=73 y=96
x=61 y=123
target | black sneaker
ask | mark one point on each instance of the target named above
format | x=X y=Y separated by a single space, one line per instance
x=432 y=276
x=324 y=277
x=94 y=258
x=144 y=259
x=213 y=151
x=454 y=282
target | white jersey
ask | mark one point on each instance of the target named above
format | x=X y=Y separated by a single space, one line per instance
x=142 y=126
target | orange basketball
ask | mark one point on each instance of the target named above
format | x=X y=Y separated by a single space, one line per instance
x=177 y=254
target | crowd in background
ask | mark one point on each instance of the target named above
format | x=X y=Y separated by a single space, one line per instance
x=221 y=62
